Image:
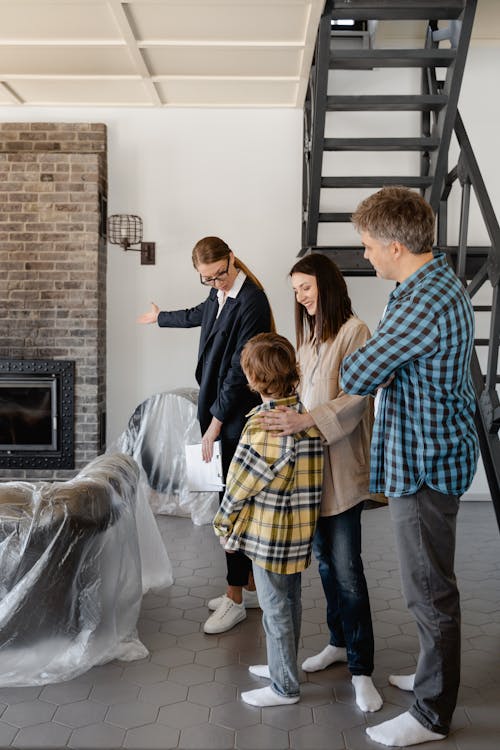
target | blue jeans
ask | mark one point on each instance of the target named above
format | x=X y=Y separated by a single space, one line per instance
x=279 y=597
x=337 y=546
x=425 y=532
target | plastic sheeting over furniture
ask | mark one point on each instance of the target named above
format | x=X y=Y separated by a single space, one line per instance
x=156 y=436
x=75 y=559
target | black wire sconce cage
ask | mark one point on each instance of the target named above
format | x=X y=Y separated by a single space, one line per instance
x=126 y=230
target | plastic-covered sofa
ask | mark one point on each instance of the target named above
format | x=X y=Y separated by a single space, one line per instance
x=75 y=560
x=156 y=436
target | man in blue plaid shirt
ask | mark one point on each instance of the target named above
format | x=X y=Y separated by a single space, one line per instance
x=424 y=446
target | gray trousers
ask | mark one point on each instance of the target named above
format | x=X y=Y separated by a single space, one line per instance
x=425 y=531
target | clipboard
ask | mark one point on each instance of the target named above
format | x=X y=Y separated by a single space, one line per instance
x=203 y=476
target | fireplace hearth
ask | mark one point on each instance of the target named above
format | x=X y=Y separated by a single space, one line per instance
x=37 y=414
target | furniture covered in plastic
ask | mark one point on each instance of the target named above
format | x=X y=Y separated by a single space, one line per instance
x=75 y=560
x=156 y=436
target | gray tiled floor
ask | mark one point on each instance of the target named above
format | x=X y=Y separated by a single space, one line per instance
x=186 y=694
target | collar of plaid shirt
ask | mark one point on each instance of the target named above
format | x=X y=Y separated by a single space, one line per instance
x=269 y=405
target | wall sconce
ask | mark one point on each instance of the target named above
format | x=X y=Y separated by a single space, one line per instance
x=126 y=230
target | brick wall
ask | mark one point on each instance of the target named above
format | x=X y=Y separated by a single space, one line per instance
x=53 y=261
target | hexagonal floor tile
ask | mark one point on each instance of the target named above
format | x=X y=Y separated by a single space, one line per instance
x=28 y=713
x=46 y=735
x=235 y=715
x=212 y=694
x=80 y=713
x=182 y=715
x=129 y=715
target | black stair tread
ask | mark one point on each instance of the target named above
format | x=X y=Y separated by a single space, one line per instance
x=333 y=217
x=482 y=308
x=374 y=181
x=361 y=10
x=385 y=103
x=380 y=144
x=350 y=260
x=481 y=342
x=359 y=59
x=477 y=252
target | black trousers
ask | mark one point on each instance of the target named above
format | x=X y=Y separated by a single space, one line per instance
x=239 y=566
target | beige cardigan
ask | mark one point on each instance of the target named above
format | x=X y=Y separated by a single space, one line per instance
x=344 y=421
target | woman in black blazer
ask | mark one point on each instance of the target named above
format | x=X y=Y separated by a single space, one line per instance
x=235 y=310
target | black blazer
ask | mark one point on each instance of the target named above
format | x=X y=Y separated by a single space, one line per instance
x=224 y=391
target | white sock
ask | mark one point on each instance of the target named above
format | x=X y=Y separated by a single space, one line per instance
x=267 y=697
x=261 y=670
x=402 y=681
x=402 y=731
x=367 y=696
x=329 y=655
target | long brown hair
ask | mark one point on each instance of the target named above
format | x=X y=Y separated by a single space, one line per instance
x=333 y=308
x=212 y=249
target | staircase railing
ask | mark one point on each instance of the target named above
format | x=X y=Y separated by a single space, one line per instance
x=487 y=269
x=445 y=118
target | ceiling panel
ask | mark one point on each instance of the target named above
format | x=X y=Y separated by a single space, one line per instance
x=65 y=60
x=210 y=93
x=228 y=22
x=57 y=19
x=217 y=61
x=77 y=92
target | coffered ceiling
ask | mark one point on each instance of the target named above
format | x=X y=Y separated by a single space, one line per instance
x=156 y=53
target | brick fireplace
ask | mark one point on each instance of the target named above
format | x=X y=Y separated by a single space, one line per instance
x=53 y=261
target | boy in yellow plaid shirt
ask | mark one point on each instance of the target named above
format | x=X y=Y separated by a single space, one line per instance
x=270 y=509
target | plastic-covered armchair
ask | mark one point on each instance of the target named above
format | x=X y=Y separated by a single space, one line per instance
x=73 y=571
x=156 y=436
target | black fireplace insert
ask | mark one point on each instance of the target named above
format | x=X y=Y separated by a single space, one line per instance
x=36 y=414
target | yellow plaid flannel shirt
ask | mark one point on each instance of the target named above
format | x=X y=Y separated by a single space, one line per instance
x=273 y=494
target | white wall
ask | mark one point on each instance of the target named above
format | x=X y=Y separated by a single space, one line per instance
x=237 y=174
x=231 y=173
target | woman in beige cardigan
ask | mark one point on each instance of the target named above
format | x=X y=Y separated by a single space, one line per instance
x=327 y=331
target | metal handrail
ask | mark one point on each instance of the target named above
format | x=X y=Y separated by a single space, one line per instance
x=467 y=172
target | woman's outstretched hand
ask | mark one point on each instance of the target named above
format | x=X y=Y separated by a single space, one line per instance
x=285 y=421
x=151 y=316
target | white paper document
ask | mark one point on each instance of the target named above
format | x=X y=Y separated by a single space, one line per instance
x=203 y=476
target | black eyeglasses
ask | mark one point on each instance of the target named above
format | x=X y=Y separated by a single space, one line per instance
x=211 y=280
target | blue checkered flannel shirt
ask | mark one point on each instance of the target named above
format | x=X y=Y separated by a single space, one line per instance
x=424 y=431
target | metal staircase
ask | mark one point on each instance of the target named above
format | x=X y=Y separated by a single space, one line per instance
x=433 y=71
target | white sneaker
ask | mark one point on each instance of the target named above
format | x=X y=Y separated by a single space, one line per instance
x=250 y=600
x=226 y=616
